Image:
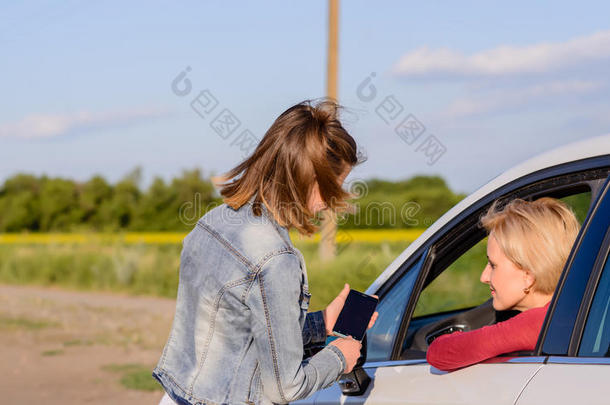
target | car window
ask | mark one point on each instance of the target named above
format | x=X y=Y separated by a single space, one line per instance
x=580 y=204
x=458 y=286
x=596 y=338
x=380 y=337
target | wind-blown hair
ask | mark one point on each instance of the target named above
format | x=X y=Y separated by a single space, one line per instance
x=305 y=144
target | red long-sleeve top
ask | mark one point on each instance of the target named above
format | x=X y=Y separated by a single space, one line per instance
x=460 y=349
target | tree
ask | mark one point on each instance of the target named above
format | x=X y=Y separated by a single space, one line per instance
x=92 y=195
x=119 y=211
x=58 y=205
x=19 y=203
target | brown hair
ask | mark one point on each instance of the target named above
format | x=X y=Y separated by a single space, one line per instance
x=305 y=144
x=536 y=236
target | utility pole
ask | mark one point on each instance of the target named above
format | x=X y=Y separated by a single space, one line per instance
x=328 y=231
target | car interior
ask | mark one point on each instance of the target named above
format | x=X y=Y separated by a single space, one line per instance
x=452 y=298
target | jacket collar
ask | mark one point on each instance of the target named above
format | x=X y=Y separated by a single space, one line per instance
x=281 y=229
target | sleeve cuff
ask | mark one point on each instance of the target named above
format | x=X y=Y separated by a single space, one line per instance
x=329 y=364
x=340 y=357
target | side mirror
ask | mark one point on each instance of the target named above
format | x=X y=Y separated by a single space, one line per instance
x=357 y=381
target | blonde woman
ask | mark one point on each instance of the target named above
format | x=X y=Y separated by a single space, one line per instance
x=528 y=245
x=241 y=318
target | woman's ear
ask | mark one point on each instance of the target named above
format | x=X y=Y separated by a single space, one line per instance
x=315 y=203
x=529 y=280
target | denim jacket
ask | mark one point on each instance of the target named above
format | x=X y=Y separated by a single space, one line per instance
x=241 y=320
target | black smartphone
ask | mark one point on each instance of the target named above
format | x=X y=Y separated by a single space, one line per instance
x=355 y=315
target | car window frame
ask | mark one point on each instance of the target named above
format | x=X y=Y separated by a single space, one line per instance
x=416 y=263
x=566 y=318
x=585 y=172
x=602 y=265
x=564 y=323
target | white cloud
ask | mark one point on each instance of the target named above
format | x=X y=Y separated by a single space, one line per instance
x=510 y=98
x=505 y=59
x=53 y=125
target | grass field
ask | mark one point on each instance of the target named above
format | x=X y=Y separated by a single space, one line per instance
x=148 y=264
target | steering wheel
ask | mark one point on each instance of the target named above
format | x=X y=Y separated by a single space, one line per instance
x=474 y=318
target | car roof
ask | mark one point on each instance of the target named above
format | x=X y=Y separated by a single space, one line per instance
x=588 y=148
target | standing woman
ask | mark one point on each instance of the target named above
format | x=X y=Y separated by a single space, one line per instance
x=241 y=318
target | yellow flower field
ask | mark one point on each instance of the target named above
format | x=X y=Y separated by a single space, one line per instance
x=165 y=238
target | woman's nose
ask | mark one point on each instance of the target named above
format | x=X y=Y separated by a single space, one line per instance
x=485 y=275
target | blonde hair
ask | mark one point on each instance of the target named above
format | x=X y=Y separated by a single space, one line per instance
x=536 y=236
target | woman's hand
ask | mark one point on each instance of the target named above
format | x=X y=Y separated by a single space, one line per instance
x=350 y=348
x=332 y=311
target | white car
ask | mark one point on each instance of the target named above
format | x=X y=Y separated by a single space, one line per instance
x=571 y=362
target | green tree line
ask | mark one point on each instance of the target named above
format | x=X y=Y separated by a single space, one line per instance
x=45 y=204
x=413 y=203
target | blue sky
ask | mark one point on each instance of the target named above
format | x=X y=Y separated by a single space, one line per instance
x=88 y=85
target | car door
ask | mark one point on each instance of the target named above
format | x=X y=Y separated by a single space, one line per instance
x=414 y=381
x=577 y=339
x=396 y=361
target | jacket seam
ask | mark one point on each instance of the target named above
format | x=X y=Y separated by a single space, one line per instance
x=228 y=245
x=171 y=377
x=210 y=334
x=167 y=374
x=271 y=340
x=259 y=266
x=239 y=363
x=271 y=255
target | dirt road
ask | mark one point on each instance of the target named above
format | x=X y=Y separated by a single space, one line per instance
x=68 y=347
